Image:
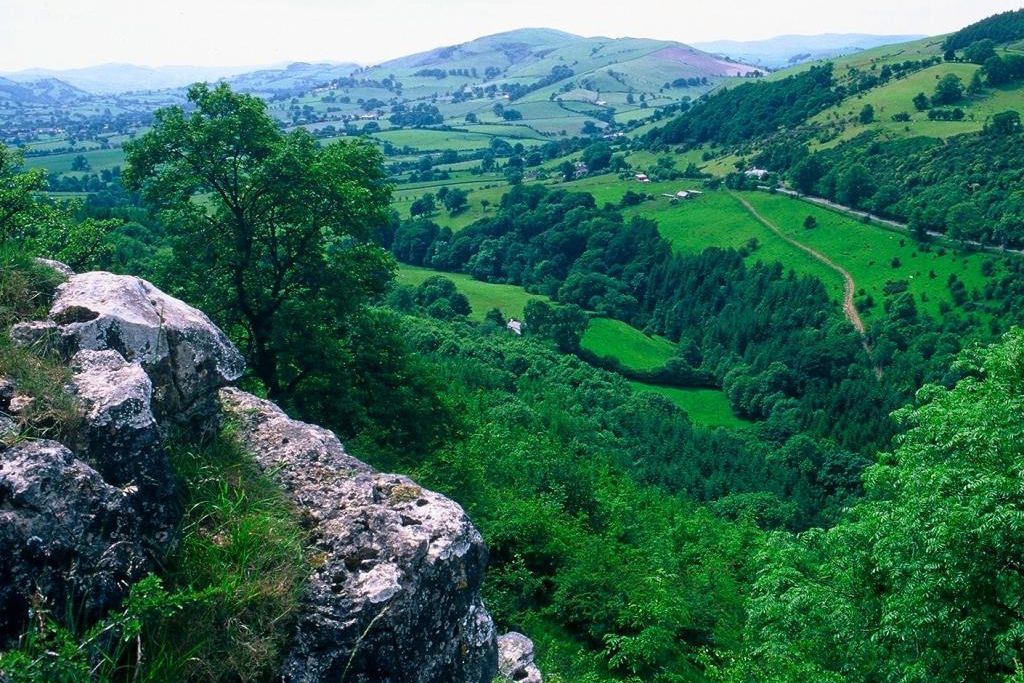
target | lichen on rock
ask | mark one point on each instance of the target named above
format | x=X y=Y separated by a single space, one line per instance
x=395 y=594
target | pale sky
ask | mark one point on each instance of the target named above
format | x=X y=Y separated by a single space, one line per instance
x=74 y=33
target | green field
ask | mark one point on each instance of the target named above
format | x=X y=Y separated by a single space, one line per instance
x=715 y=219
x=428 y=140
x=99 y=160
x=631 y=347
x=867 y=252
x=483 y=296
x=708 y=407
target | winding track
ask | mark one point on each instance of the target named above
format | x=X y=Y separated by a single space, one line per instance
x=849 y=287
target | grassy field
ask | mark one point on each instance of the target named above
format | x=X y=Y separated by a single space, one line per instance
x=868 y=253
x=99 y=160
x=429 y=140
x=716 y=219
x=635 y=350
x=483 y=296
x=708 y=407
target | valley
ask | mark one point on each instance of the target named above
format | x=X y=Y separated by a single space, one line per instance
x=538 y=356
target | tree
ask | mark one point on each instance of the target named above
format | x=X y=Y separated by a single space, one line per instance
x=855 y=185
x=997 y=71
x=424 y=206
x=867 y=114
x=932 y=550
x=80 y=163
x=455 y=200
x=921 y=101
x=270 y=231
x=981 y=51
x=597 y=156
x=810 y=223
x=46 y=228
x=1004 y=123
x=19 y=208
x=565 y=325
x=949 y=90
x=806 y=173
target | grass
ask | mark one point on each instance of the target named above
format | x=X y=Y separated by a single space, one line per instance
x=716 y=219
x=708 y=407
x=222 y=609
x=25 y=293
x=868 y=253
x=606 y=337
x=222 y=612
x=483 y=296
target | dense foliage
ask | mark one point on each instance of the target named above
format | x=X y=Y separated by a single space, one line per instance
x=773 y=341
x=1000 y=28
x=920 y=581
x=752 y=110
x=921 y=181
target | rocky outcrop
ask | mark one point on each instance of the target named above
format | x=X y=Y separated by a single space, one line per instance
x=120 y=439
x=185 y=355
x=515 y=659
x=395 y=593
x=66 y=536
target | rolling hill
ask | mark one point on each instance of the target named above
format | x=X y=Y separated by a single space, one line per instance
x=789 y=50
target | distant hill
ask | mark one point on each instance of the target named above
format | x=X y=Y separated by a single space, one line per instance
x=44 y=91
x=295 y=78
x=107 y=79
x=789 y=50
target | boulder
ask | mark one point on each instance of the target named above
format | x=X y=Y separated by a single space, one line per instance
x=61 y=269
x=394 y=596
x=515 y=659
x=185 y=355
x=119 y=437
x=66 y=536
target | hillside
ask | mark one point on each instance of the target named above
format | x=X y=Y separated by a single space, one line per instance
x=786 y=51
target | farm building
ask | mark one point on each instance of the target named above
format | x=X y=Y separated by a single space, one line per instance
x=515 y=326
x=758 y=173
x=642 y=178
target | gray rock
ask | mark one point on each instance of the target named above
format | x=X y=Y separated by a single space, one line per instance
x=65 y=535
x=57 y=266
x=185 y=355
x=515 y=659
x=7 y=389
x=120 y=438
x=39 y=335
x=395 y=595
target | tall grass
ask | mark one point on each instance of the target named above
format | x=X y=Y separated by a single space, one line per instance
x=26 y=290
x=222 y=609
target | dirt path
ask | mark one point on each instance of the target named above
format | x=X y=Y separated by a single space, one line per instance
x=849 y=287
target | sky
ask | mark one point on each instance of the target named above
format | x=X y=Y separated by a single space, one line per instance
x=77 y=33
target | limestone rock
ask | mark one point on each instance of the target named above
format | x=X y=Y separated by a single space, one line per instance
x=185 y=355
x=42 y=335
x=56 y=266
x=515 y=659
x=394 y=595
x=65 y=535
x=120 y=438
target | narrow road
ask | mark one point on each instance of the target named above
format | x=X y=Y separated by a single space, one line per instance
x=895 y=225
x=849 y=287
